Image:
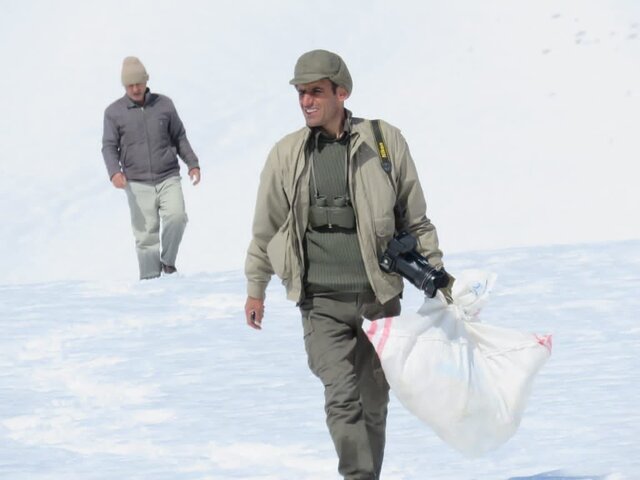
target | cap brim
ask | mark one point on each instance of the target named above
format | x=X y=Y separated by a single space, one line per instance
x=308 y=78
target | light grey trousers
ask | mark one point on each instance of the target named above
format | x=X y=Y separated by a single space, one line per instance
x=157 y=213
x=356 y=390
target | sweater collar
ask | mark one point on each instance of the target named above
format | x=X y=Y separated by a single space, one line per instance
x=316 y=135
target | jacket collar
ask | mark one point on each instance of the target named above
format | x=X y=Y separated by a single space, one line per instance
x=149 y=99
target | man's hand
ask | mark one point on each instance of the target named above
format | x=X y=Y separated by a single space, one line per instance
x=254 y=311
x=194 y=175
x=446 y=291
x=119 y=180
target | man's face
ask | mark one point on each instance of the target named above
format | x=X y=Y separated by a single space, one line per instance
x=321 y=106
x=136 y=92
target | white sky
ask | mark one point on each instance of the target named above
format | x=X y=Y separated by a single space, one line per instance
x=521 y=117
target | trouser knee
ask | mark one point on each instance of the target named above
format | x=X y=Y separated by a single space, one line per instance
x=175 y=219
x=342 y=404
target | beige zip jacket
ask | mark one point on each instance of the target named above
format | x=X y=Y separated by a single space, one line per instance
x=281 y=213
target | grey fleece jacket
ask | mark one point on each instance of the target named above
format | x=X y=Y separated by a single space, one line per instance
x=142 y=141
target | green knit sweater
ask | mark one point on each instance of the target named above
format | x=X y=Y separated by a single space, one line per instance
x=333 y=259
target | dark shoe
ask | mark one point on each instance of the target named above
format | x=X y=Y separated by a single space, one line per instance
x=168 y=269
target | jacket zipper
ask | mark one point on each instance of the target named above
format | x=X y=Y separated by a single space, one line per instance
x=359 y=232
x=300 y=247
x=146 y=133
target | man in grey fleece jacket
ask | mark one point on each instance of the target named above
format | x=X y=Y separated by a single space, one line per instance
x=142 y=135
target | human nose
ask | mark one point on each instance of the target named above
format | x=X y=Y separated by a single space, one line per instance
x=306 y=100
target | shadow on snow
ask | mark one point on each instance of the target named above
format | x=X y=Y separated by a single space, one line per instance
x=559 y=475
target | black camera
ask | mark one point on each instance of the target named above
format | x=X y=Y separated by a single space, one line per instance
x=401 y=257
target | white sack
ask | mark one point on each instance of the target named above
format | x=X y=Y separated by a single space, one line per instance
x=467 y=380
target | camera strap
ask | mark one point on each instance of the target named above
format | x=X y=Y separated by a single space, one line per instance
x=385 y=161
x=382 y=147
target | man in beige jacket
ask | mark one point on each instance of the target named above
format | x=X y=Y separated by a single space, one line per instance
x=325 y=212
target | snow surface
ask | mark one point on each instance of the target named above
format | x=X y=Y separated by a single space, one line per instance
x=162 y=379
x=532 y=101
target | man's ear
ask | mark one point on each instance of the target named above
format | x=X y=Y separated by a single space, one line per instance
x=342 y=93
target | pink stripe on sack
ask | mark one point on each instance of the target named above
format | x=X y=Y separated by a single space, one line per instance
x=385 y=335
x=545 y=341
x=373 y=327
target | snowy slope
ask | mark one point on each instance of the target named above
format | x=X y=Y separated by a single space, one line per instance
x=162 y=379
x=534 y=101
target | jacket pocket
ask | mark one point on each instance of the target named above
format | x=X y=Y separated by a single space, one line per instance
x=123 y=156
x=385 y=228
x=278 y=251
x=168 y=162
x=158 y=129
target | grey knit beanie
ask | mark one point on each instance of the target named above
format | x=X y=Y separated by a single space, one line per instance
x=133 y=71
x=318 y=64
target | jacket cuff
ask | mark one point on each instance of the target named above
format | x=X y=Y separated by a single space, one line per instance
x=435 y=261
x=192 y=162
x=256 y=290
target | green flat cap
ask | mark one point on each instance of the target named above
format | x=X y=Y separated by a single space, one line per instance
x=318 y=64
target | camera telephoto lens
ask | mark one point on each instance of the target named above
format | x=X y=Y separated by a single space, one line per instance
x=401 y=257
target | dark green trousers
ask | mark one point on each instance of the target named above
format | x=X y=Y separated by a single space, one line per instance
x=356 y=390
